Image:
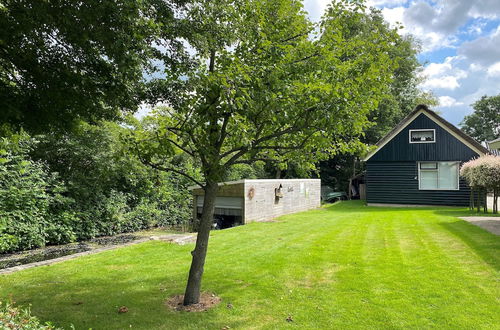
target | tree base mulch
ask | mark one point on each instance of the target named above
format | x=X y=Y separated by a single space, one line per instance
x=207 y=301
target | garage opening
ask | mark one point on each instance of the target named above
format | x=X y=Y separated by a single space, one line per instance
x=228 y=211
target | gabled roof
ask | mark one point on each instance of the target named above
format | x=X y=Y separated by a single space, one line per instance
x=449 y=127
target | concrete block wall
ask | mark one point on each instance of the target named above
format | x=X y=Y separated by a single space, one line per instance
x=298 y=195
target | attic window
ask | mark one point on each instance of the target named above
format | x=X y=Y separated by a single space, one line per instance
x=422 y=135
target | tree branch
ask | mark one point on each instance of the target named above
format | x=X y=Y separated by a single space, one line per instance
x=165 y=169
x=170 y=169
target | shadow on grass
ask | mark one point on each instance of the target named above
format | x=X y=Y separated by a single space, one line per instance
x=483 y=243
x=464 y=212
x=361 y=207
x=146 y=309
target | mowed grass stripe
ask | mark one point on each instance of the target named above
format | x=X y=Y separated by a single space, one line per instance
x=343 y=266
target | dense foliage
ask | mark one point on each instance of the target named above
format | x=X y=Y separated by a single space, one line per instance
x=58 y=189
x=62 y=61
x=113 y=191
x=12 y=317
x=33 y=209
x=483 y=174
x=484 y=123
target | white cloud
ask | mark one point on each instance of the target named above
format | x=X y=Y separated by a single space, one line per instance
x=431 y=40
x=393 y=15
x=494 y=70
x=380 y=3
x=443 y=75
x=473 y=67
x=437 y=69
x=446 y=82
x=448 y=101
x=485 y=50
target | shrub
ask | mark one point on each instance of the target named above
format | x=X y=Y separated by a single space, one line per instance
x=59 y=189
x=15 y=318
x=30 y=199
x=483 y=173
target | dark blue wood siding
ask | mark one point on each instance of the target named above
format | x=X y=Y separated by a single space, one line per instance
x=446 y=147
x=397 y=183
x=392 y=174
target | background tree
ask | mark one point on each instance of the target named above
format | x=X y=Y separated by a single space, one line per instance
x=267 y=86
x=62 y=61
x=401 y=98
x=484 y=123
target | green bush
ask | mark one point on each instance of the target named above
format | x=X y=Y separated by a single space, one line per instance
x=14 y=318
x=88 y=183
x=113 y=191
x=30 y=200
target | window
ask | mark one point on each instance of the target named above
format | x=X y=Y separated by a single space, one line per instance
x=438 y=175
x=422 y=135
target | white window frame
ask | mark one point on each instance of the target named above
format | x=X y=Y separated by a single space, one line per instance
x=422 y=130
x=437 y=170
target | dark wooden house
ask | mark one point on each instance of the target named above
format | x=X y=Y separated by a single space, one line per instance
x=418 y=163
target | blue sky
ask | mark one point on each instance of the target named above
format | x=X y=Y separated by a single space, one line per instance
x=460 y=46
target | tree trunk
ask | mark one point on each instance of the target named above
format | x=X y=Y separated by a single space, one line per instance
x=471 y=199
x=478 y=200
x=495 y=201
x=485 y=206
x=192 y=294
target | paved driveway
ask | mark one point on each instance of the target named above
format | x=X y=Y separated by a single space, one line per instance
x=491 y=224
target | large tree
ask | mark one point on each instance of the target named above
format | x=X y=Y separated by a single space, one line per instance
x=402 y=97
x=484 y=123
x=268 y=85
x=62 y=61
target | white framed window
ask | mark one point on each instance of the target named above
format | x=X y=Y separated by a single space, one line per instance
x=438 y=175
x=422 y=136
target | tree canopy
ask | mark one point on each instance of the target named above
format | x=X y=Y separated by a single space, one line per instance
x=484 y=123
x=62 y=61
x=401 y=98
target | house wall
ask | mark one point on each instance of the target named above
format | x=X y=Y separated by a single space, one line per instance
x=446 y=147
x=392 y=173
x=397 y=183
x=298 y=195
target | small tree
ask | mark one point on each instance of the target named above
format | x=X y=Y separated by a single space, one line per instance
x=483 y=175
x=265 y=85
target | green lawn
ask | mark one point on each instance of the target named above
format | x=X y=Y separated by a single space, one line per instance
x=344 y=266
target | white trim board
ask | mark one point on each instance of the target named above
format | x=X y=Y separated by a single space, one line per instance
x=410 y=120
x=422 y=130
